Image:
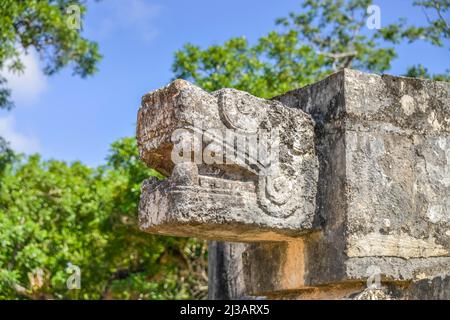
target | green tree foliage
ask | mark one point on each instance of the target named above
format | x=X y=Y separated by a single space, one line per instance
x=53 y=213
x=42 y=25
x=325 y=36
x=6 y=155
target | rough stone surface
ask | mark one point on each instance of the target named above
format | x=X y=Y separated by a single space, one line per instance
x=372 y=189
x=383 y=194
x=235 y=195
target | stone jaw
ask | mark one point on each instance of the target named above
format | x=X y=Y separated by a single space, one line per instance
x=237 y=199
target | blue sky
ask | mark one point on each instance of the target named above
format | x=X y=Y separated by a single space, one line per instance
x=69 y=118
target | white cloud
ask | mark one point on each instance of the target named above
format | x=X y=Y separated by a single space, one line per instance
x=26 y=87
x=19 y=142
x=135 y=16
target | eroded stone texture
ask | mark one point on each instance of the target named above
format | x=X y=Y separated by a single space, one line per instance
x=240 y=168
x=384 y=194
x=370 y=195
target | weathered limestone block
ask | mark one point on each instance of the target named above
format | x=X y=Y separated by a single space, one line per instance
x=359 y=192
x=384 y=184
x=240 y=168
